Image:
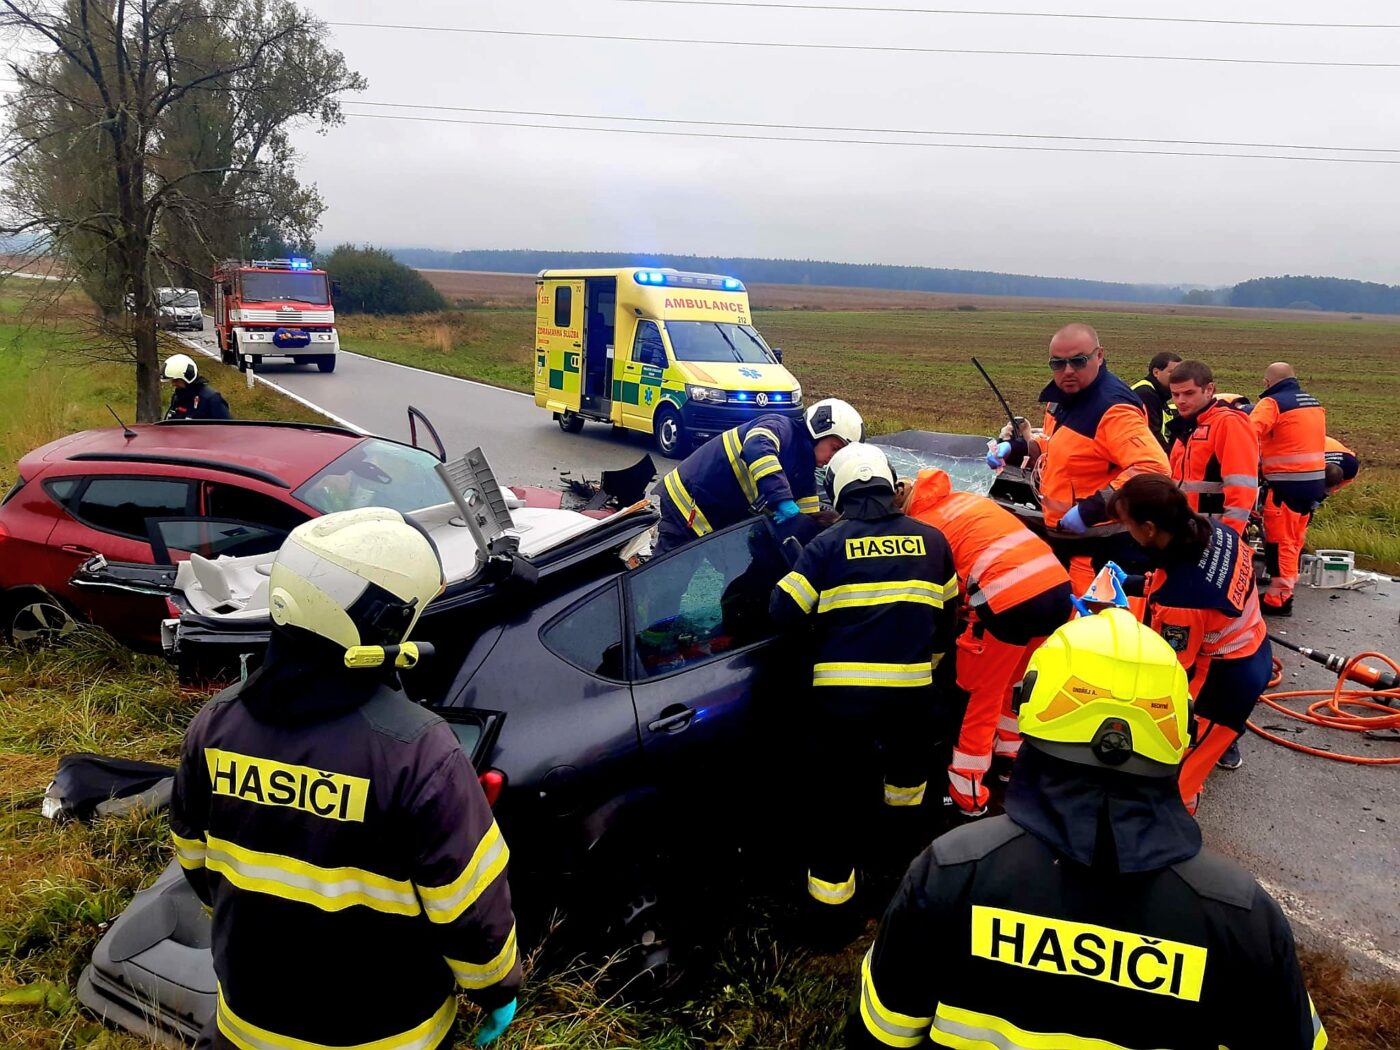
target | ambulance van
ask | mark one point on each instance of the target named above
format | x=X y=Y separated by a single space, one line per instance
x=669 y=353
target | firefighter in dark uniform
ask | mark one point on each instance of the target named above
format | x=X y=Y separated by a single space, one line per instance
x=1087 y=917
x=880 y=591
x=193 y=398
x=356 y=875
x=766 y=464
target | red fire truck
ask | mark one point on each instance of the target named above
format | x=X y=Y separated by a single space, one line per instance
x=274 y=308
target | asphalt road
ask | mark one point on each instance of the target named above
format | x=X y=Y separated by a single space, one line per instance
x=1323 y=836
x=522 y=443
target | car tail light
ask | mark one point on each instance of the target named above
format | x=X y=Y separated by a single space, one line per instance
x=172 y=608
x=493 y=782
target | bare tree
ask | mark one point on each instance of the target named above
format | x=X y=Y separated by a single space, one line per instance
x=150 y=134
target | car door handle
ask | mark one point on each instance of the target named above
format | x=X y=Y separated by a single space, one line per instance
x=678 y=719
x=78 y=549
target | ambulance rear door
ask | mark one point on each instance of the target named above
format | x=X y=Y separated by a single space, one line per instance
x=559 y=343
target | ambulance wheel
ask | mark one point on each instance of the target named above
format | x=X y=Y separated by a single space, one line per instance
x=671 y=440
x=326 y=364
x=570 y=422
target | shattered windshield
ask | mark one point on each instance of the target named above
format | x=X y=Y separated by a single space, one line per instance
x=718 y=341
x=178 y=297
x=376 y=474
x=967 y=475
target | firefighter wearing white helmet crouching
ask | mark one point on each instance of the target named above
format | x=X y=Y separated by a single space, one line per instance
x=878 y=592
x=356 y=875
x=193 y=398
x=766 y=465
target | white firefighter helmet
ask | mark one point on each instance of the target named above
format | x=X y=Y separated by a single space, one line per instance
x=857 y=464
x=832 y=417
x=180 y=366
x=356 y=577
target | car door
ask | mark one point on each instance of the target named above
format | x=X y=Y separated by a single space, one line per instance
x=108 y=515
x=641 y=376
x=705 y=670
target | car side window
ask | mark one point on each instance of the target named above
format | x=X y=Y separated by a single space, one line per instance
x=563 y=306
x=62 y=489
x=589 y=635
x=233 y=501
x=209 y=539
x=705 y=600
x=647 y=347
x=122 y=505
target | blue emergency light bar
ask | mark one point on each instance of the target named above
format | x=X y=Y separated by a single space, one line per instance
x=656 y=278
x=301 y=264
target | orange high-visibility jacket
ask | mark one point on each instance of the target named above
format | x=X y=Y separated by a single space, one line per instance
x=1292 y=429
x=1215 y=460
x=1094 y=441
x=1336 y=452
x=999 y=561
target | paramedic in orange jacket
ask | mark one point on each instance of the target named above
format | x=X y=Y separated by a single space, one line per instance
x=1292 y=429
x=1201 y=598
x=1018 y=593
x=1214 y=450
x=1096 y=438
x=1342 y=466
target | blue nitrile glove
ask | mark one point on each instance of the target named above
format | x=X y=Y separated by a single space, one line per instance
x=996 y=458
x=1073 y=521
x=787 y=510
x=497 y=1021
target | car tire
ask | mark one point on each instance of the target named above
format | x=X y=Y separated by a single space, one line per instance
x=34 y=618
x=326 y=364
x=570 y=422
x=671 y=439
x=199 y=327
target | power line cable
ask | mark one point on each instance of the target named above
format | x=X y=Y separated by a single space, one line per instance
x=869 y=142
x=881 y=48
x=1020 y=14
x=875 y=131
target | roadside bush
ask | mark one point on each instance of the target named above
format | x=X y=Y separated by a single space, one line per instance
x=372 y=282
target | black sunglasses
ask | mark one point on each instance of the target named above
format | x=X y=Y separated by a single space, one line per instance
x=1078 y=361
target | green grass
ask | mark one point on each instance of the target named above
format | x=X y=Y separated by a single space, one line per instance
x=911 y=369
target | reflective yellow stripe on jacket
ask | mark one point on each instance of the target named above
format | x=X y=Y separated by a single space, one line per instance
x=870 y=674
x=969 y=1030
x=329 y=889
x=824 y=892
x=809 y=504
x=447 y=903
x=799 y=589
x=190 y=853
x=247 y=1036
x=733 y=448
x=475 y=976
x=689 y=509
x=888 y=1026
x=858 y=595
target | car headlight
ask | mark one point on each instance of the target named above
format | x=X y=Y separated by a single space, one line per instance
x=706 y=393
x=797 y=395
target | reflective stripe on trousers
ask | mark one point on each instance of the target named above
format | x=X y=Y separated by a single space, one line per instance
x=831 y=892
x=248 y=1036
x=904 y=796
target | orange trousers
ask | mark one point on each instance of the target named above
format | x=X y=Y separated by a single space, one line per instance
x=1212 y=739
x=987 y=668
x=1286 y=531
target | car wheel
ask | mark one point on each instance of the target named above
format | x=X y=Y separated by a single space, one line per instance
x=570 y=422
x=670 y=433
x=643 y=962
x=36 y=619
x=326 y=364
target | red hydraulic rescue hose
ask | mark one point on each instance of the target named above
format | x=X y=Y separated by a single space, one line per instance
x=1328 y=712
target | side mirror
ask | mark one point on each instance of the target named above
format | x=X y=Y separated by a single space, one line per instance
x=778 y=353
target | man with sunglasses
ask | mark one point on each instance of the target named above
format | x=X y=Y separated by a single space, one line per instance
x=1096 y=437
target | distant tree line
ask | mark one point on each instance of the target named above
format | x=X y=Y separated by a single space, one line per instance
x=1317 y=293
x=805 y=271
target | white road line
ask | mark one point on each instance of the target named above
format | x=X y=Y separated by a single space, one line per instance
x=342 y=421
x=439 y=375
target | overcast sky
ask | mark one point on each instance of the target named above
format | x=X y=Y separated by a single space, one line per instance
x=1114 y=217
